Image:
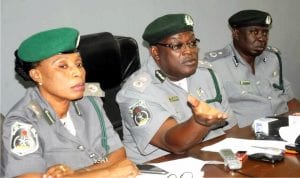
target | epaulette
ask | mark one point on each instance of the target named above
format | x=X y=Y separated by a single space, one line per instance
x=35 y=108
x=141 y=81
x=273 y=49
x=93 y=89
x=41 y=113
x=221 y=53
x=204 y=64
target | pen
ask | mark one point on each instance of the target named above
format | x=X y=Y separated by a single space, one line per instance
x=290 y=151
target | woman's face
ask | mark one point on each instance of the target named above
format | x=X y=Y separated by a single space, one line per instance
x=60 y=77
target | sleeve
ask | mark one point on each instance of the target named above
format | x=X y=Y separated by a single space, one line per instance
x=289 y=94
x=143 y=114
x=21 y=146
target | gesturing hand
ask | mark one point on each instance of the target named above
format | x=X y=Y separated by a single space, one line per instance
x=205 y=114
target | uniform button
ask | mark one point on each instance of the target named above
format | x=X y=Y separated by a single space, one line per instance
x=269 y=97
x=258 y=83
x=80 y=147
x=92 y=155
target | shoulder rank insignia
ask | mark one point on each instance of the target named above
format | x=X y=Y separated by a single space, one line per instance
x=93 y=89
x=204 y=64
x=141 y=82
x=36 y=108
x=217 y=54
x=273 y=49
x=24 y=139
x=41 y=113
x=140 y=113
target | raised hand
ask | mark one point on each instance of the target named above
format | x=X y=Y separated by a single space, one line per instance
x=205 y=114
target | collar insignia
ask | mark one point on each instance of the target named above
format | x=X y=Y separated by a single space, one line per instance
x=160 y=76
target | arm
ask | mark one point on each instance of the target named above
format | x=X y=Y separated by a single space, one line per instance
x=177 y=138
x=116 y=166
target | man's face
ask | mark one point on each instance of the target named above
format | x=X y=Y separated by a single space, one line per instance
x=252 y=40
x=177 y=63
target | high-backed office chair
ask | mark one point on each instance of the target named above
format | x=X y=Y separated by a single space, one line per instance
x=109 y=60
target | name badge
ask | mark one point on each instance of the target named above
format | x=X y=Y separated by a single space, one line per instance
x=244 y=82
x=173 y=98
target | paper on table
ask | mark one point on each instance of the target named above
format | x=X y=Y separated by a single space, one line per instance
x=289 y=133
x=178 y=167
x=251 y=146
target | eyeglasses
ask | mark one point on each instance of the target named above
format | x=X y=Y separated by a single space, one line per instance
x=178 y=47
x=183 y=175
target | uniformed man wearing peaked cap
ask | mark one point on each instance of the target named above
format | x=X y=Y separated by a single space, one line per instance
x=247 y=18
x=154 y=101
x=251 y=70
x=55 y=130
x=167 y=25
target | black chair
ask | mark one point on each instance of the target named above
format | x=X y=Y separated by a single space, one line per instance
x=109 y=60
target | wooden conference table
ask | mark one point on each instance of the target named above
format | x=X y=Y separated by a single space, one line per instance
x=290 y=167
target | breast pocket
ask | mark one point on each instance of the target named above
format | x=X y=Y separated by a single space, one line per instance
x=235 y=90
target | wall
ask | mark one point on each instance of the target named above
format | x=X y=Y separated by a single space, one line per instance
x=21 y=18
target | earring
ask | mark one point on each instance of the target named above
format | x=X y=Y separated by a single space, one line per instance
x=40 y=83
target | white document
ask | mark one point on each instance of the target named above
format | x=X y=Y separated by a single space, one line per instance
x=178 y=167
x=250 y=146
x=291 y=132
x=294 y=121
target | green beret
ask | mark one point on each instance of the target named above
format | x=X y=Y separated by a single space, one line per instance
x=166 y=26
x=250 y=18
x=48 y=43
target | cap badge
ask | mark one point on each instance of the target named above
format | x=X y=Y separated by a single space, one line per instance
x=188 y=20
x=268 y=20
x=77 y=42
